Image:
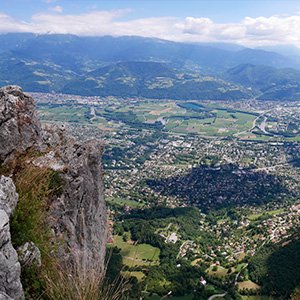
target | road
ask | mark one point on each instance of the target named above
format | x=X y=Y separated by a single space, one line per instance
x=261 y=126
x=238 y=274
x=217 y=296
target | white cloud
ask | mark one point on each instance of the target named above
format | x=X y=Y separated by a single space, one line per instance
x=94 y=23
x=57 y=9
x=250 y=31
x=8 y=24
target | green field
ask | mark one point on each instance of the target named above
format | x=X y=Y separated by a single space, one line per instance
x=220 y=272
x=219 y=122
x=238 y=267
x=74 y=114
x=253 y=217
x=137 y=254
x=64 y=113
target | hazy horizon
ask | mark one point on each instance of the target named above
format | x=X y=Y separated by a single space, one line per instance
x=247 y=23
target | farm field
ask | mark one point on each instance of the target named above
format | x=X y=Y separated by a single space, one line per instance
x=78 y=114
x=189 y=117
x=137 y=254
x=174 y=117
x=64 y=113
x=207 y=119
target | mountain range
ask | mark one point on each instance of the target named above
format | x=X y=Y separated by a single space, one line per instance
x=145 y=67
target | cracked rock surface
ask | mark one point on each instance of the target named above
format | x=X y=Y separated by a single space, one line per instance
x=79 y=214
x=10 y=269
x=20 y=128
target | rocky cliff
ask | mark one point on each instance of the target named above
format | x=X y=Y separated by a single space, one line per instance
x=79 y=215
x=10 y=269
x=76 y=213
x=20 y=128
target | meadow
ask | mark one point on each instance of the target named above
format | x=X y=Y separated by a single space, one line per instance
x=137 y=254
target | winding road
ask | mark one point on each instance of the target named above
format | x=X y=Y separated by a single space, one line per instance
x=261 y=126
x=217 y=296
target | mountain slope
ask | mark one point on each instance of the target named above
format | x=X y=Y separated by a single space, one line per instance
x=33 y=75
x=70 y=49
x=273 y=84
x=153 y=80
x=146 y=67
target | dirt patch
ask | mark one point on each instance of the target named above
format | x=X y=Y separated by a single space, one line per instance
x=248 y=285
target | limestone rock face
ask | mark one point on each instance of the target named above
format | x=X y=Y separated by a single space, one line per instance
x=10 y=269
x=79 y=214
x=4 y=296
x=8 y=195
x=20 y=128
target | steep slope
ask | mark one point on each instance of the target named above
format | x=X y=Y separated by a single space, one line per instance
x=79 y=214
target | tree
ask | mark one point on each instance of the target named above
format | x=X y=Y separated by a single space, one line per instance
x=125 y=236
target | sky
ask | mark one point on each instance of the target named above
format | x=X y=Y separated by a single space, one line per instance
x=250 y=23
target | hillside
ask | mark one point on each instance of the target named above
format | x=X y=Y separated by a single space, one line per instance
x=275 y=267
x=271 y=83
x=153 y=80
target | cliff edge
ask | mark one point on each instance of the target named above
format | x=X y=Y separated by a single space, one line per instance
x=71 y=179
